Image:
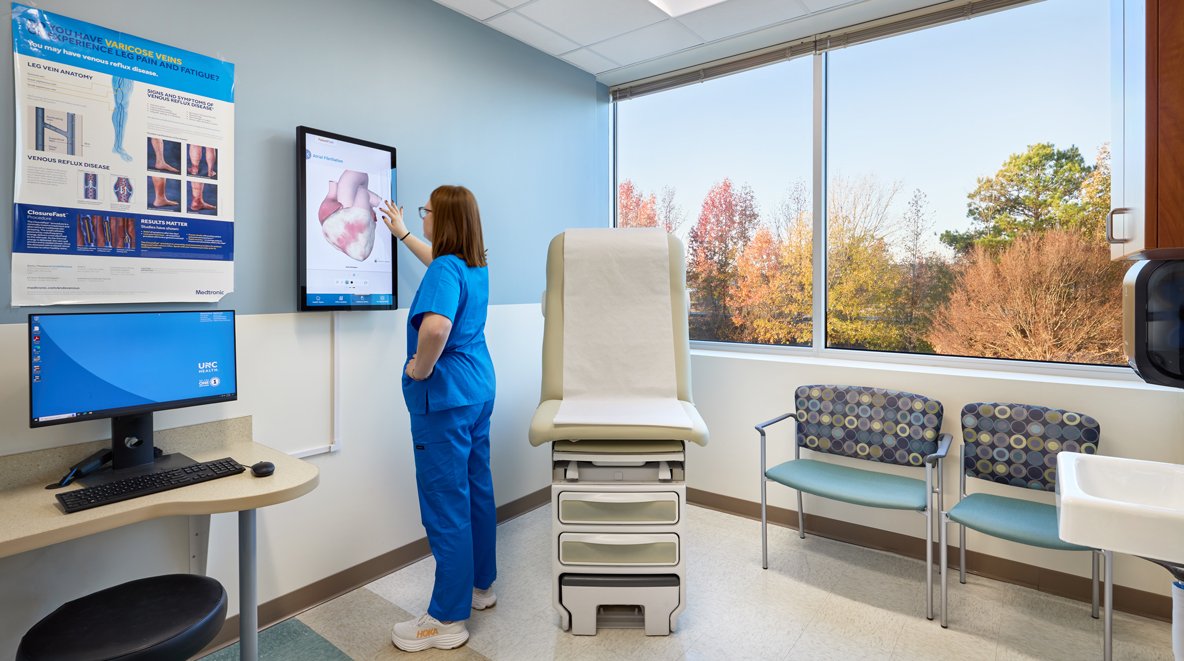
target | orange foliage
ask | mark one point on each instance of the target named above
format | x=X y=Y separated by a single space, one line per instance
x=1051 y=297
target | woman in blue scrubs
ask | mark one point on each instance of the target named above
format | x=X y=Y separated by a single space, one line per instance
x=448 y=385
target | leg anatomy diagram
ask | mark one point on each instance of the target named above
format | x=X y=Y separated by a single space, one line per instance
x=42 y=126
x=123 y=98
x=347 y=215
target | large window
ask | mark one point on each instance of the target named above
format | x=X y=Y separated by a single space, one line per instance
x=966 y=185
x=726 y=166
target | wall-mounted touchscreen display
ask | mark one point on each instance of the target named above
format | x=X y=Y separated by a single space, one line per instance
x=347 y=256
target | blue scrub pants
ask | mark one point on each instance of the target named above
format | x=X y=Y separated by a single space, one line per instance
x=456 y=503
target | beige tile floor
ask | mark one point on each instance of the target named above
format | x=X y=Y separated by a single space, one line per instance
x=819 y=599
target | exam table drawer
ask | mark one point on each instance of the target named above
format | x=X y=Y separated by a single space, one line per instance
x=630 y=550
x=618 y=508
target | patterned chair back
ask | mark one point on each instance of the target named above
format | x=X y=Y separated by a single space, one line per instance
x=1018 y=444
x=888 y=426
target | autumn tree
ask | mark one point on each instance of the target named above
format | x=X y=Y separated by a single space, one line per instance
x=863 y=281
x=633 y=208
x=770 y=299
x=1035 y=191
x=1095 y=198
x=727 y=222
x=925 y=275
x=1050 y=297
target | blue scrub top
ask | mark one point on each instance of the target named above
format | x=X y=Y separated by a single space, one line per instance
x=464 y=373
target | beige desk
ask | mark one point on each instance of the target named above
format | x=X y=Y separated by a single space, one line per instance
x=31 y=517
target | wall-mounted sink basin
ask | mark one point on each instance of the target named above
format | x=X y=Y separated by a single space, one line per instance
x=1123 y=505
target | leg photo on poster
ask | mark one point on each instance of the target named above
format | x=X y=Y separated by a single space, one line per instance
x=164 y=194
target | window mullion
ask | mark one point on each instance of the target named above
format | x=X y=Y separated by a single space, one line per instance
x=819 y=188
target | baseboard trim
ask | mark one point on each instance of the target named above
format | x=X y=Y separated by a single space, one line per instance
x=310 y=596
x=1071 y=586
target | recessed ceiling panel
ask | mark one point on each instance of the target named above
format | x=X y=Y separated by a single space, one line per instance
x=736 y=16
x=649 y=42
x=588 y=21
x=589 y=61
x=524 y=30
x=680 y=7
x=478 y=9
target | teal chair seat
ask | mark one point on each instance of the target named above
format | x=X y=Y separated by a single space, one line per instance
x=853 y=485
x=1023 y=521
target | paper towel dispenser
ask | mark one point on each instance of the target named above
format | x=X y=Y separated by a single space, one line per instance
x=1153 y=321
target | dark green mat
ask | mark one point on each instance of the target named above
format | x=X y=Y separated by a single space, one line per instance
x=290 y=640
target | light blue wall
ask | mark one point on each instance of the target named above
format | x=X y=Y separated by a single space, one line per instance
x=462 y=103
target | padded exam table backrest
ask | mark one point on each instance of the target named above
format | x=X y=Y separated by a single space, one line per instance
x=541 y=429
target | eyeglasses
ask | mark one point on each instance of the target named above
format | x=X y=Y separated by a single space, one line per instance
x=424 y=211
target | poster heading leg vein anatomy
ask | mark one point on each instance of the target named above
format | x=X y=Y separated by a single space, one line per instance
x=124 y=187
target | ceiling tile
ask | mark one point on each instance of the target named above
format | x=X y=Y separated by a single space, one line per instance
x=647 y=43
x=819 y=5
x=589 y=22
x=513 y=3
x=736 y=16
x=527 y=31
x=589 y=61
x=478 y=9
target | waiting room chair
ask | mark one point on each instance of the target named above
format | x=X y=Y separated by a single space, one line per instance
x=163 y=618
x=1017 y=445
x=872 y=424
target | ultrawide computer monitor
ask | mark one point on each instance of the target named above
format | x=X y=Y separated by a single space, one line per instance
x=124 y=366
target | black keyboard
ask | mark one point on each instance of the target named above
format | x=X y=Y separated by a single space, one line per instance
x=142 y=485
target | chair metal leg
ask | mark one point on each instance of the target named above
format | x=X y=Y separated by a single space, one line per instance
x=929 y=560
x=943 y=523
x=801 y=518
x=1094 y=558
x=764 y=528
x=1108 y=630
x=962 y=554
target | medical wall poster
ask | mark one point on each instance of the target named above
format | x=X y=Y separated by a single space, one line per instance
x=347 y=257
x=124 y=187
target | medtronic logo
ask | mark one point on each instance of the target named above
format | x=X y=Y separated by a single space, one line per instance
x=208 y=292
x=307 y=154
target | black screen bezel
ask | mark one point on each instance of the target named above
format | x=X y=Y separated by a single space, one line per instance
x=142 y=408
x=302 y=133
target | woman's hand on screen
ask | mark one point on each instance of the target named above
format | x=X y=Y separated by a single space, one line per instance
x=392 y=216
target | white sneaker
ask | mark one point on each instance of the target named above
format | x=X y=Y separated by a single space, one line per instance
x=483 y=599
x=426 y=632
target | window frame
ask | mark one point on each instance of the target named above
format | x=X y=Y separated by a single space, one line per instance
x=818 y=348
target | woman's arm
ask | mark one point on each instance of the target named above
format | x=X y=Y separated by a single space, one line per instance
x=392 y=216
x=433 y=335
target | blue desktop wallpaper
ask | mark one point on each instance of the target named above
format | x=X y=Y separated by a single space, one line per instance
x=95 y=362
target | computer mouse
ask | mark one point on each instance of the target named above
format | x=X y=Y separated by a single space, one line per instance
x=263 y=469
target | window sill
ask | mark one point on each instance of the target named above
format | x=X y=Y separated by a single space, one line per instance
x=1070 y=374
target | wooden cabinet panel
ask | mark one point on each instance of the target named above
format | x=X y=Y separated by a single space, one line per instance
x=1168 y=149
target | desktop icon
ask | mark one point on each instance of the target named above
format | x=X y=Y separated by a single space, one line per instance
x=36 y=338
x=36 y=349
x=36 y=368
x=36 y=328
x=36 y=359
x=37 y=379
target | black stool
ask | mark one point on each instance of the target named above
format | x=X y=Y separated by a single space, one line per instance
x=164 y=618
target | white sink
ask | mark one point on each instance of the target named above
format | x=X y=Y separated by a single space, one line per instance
x=1123 y=505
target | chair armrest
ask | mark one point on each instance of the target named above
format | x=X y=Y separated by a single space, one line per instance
x=761 y=427
x=943 y=448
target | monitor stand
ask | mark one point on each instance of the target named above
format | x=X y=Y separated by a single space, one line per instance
x=132 y=452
